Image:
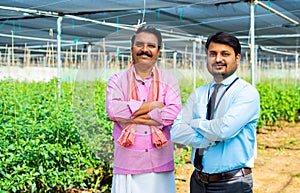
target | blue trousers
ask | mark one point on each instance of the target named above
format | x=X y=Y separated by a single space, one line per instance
x=242 y=184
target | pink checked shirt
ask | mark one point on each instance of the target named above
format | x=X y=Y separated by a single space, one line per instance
x=143 y=156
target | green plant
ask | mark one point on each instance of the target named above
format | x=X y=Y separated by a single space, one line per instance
x=278 y=102
x=41 y=148
x=52 y=144
x=182 y=154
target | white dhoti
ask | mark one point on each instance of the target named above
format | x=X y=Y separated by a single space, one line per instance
x=163 y=182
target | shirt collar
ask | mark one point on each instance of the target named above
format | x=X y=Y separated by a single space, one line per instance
x=226 y=81
x=137 y=77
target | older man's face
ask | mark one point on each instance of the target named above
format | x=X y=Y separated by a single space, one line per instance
x=145 y=50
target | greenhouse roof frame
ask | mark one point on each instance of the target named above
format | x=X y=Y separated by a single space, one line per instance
x=33 y=23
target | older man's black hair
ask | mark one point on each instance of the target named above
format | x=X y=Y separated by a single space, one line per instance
x=148 y=29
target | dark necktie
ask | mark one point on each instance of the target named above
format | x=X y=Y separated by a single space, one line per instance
x=210 y=112
x=212 y=102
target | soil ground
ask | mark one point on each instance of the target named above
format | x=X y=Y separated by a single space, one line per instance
x=277 y=166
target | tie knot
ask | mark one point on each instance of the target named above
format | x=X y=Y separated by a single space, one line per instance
x=217 y=86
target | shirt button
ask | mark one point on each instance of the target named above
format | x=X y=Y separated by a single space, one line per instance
x=144 y=100
x=146 y=150
x=145 y=132
x=143 y=83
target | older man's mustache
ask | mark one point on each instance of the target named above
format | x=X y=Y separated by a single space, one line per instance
x=145 y=53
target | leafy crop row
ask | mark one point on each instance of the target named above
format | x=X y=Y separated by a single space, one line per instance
x=278 y=102
x=41 y=149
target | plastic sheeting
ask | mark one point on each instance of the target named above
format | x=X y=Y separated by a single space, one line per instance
x=180 y=19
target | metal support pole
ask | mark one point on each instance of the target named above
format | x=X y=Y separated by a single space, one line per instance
x=252 y=46
x=59 y=64
x=89 y=62
x=256 y=68
x=174 y=60
x=89 y=57
x=105 y=60
x=194 y=62
x=296 y=67
x=252 y=55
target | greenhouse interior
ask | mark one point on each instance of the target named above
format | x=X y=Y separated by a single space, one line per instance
x=49 y=49
x=95 y=35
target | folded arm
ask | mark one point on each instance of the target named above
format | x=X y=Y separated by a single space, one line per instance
x=183 y=133
x=162 y=112
x=230 y=124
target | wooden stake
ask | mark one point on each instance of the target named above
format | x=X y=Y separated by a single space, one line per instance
x=71 y=57
x=25 y=55
x=76 y=52
x=28 y=57
x=66 y=63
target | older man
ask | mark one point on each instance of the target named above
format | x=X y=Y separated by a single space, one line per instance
x=143 y=102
